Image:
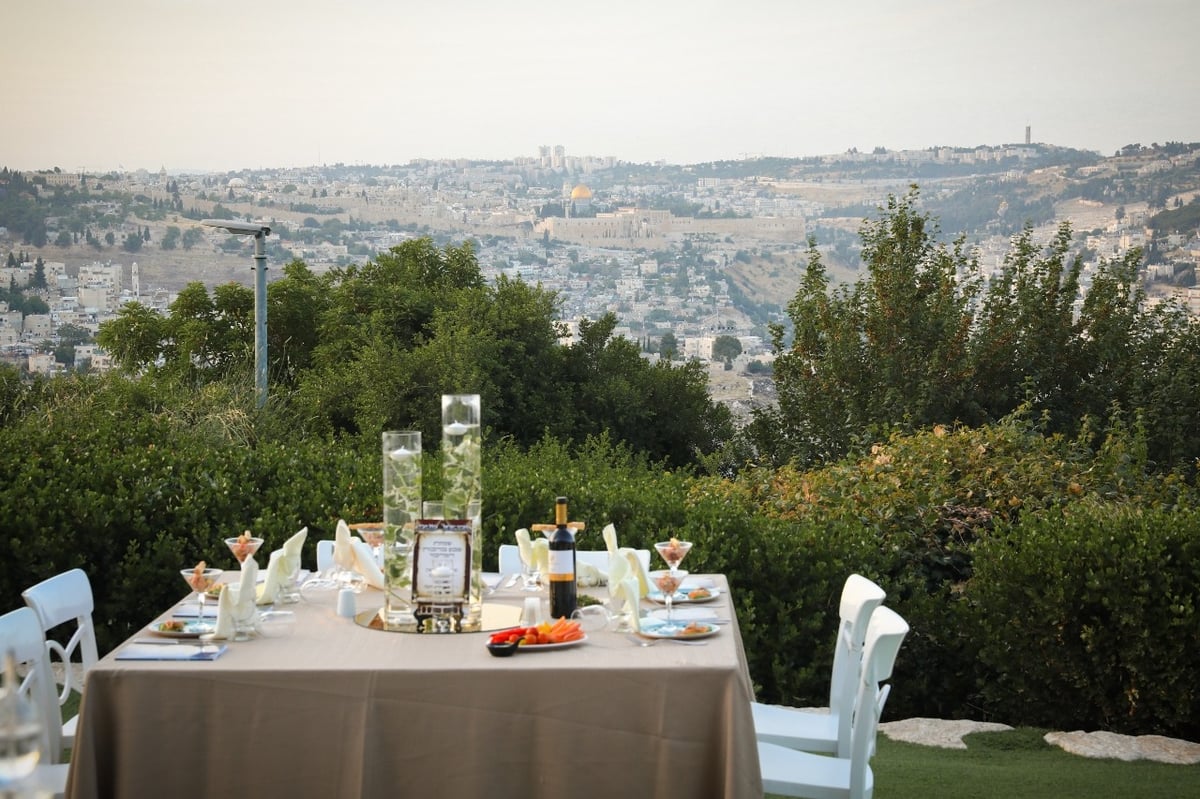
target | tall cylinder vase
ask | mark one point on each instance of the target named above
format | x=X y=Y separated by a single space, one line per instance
x=463 y=480
x=401 y=509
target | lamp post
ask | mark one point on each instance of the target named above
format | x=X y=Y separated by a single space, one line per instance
x=259 y=232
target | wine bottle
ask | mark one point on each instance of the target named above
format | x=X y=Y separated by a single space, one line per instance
x=562 y=564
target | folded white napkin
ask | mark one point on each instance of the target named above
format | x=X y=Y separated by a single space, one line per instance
x=610 y=538
x=587 y=575
x=226 y=625
x=276 y=578
x=353 y=554
x=281 y=565
x=524 y=546
x=244 y=592
x=541 y=555
x=364 y=564
x=293 y=549
x=343 y=546
x=618 y=569
x=628 y=594
x=639 y=571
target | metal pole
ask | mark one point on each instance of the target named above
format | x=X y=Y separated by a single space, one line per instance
x=260 y=318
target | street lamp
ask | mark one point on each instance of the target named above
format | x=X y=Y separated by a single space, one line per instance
x=259 y=232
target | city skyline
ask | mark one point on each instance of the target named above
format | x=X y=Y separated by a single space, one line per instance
x=215 y=86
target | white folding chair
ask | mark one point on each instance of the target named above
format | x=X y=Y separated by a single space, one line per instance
x=828 y=732
x=790 y=772
x=510 y=558
x=62 y=599
x=21 y=633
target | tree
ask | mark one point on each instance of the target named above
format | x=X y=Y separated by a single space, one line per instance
x=668 y=346
x=170 y=238
x=110 y=238
x=888 y=351
x=132 y=242
x=725 y=349
x=39 y=274
x=191 y=237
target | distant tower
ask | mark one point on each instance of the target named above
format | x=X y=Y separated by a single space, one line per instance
x=1027 y=134
x=137 y=284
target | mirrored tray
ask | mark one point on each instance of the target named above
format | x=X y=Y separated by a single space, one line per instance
x=496 y=616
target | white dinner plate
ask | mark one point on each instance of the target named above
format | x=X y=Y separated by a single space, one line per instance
x=680 y=598
x=699 y=629
x=543 y=647
x=191 y=629
x=686 y=614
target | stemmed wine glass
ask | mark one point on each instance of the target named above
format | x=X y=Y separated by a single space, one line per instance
x=200 y=579
x=372 y=534
x=668 y=582
x=531 y=573
x=243 y=546
x=673 y=552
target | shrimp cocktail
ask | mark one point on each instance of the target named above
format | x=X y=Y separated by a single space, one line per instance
x=673 y=552
x=201 y=579
x=243 y=546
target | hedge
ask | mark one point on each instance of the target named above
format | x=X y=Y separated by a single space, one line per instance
x=1047 y=582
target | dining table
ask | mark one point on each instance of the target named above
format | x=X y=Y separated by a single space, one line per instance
x=337 y=708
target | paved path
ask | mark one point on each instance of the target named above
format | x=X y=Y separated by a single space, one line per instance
x=949 y=734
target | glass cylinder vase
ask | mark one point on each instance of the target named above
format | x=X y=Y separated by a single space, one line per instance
x=401 y=509
x=462 y=479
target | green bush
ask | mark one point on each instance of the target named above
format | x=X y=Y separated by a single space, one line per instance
x=1046 y=581
x=1089 y=616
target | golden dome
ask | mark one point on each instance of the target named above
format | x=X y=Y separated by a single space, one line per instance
x=581 y=192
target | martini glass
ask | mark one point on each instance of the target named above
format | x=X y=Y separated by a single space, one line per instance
x=243 y=546
x=673 y=552
x=668 y=582
x=200 y=579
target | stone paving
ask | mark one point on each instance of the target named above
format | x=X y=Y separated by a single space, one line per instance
x=949 y=735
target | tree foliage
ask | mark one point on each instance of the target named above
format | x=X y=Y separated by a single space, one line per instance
x=920 y=341
x=371 y=347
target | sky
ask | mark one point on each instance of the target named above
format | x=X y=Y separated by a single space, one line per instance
x=213 y=85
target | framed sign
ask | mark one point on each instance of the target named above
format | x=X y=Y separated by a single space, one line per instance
x=441 y=573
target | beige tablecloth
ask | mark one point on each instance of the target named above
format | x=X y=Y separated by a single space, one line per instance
x=337 y=710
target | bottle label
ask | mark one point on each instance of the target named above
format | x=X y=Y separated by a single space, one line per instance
x=562 y=565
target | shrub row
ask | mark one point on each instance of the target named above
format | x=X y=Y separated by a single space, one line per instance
x=1047 y=582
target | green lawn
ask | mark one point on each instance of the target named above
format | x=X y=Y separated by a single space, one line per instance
x=1020 y=765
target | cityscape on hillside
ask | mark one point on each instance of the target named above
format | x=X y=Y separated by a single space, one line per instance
x=681 y=254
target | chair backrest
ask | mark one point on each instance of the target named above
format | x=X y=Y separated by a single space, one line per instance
x=21 y=632
x=60 y=599
x=885 y=634
x=860 y=598
x=510 y=558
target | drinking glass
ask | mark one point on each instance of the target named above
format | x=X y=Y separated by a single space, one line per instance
x=673 y=552
x=531 y=573
x=592 y=618
x=668 y=582
x=372 y=534
x=243 y=546
x=276 y=623
x=200 y=579
x=20 y=732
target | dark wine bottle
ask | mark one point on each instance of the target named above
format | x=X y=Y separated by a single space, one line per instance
x=562 y=564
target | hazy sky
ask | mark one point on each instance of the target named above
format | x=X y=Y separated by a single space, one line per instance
x=219 y=85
